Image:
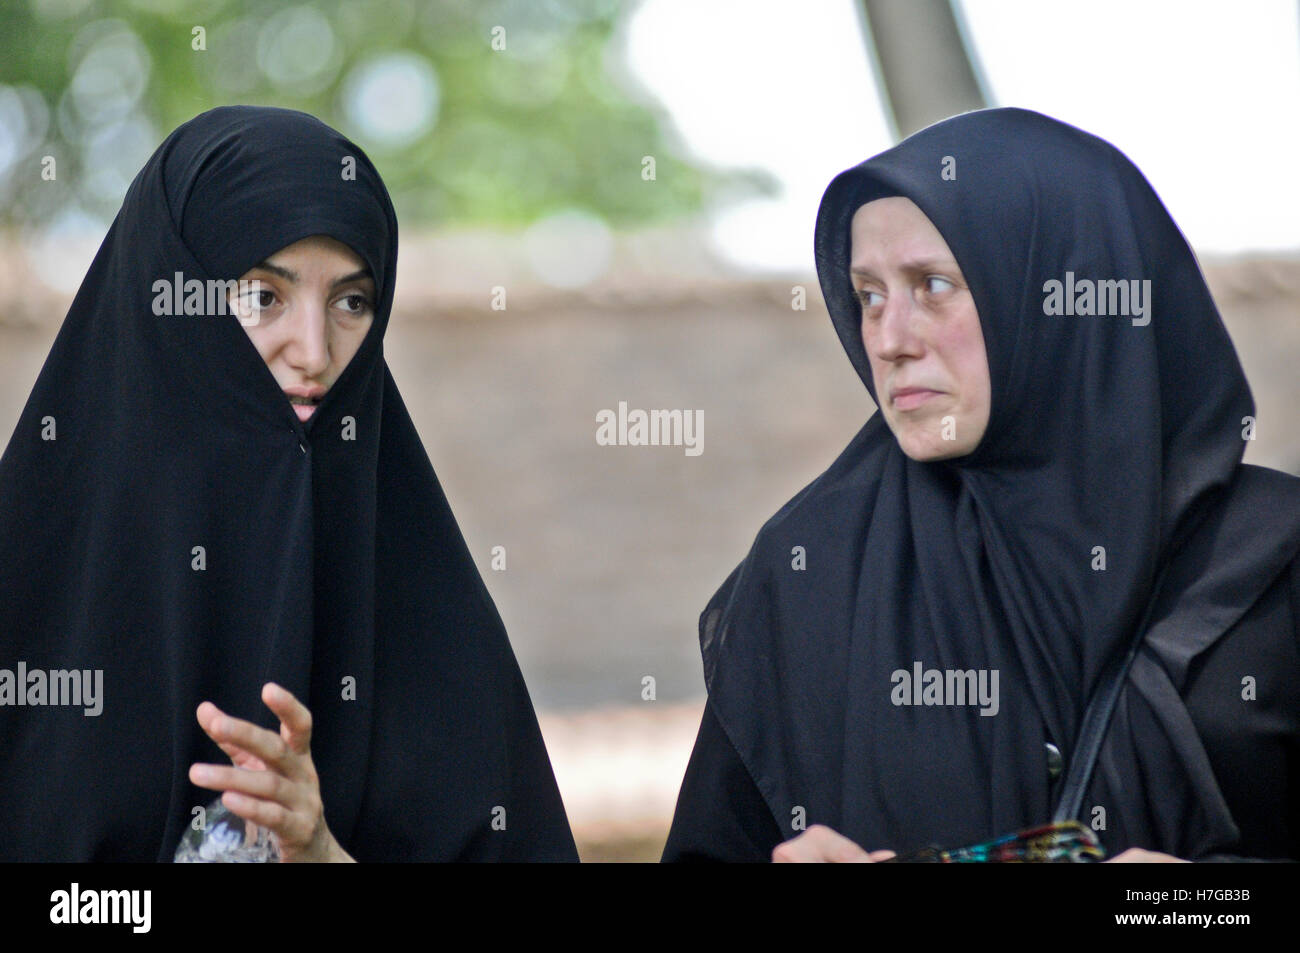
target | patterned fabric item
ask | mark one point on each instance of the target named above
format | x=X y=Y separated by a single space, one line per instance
x=1065 y=843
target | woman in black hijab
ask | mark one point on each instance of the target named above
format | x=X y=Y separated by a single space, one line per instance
x=1052 y=502
x=176 y=531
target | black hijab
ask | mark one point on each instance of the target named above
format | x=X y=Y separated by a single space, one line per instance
x=334 y=566
x=1103 y=431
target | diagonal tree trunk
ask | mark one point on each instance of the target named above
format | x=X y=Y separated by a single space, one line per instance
x=923 y=68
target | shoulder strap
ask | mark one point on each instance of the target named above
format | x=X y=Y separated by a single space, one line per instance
x=1096 y=719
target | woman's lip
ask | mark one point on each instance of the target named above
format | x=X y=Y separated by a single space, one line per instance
x=913 y=399
x=304 y=411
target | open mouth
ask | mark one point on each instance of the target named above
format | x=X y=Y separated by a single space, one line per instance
x=304 y=406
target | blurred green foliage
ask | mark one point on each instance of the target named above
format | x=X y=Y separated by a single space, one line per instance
x=462 y=132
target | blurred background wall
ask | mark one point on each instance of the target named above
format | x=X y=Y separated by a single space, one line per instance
x=515 y=139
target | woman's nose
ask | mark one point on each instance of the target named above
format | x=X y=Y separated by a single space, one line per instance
x=895 y=334
x=308 y=349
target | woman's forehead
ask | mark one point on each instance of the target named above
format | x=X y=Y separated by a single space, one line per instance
x=895 y=227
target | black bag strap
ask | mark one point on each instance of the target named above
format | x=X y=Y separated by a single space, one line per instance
x=1096 y=719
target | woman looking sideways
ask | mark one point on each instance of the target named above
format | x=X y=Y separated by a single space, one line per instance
x=227 y=505
x=1051 y=498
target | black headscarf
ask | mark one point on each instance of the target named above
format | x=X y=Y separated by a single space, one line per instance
x=334 y=566
x=1103 y=432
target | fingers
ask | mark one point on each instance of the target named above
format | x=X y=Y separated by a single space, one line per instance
x=242 y=758
x=262 y=784
x=229 y=732
x=820 y=844
x=295 y=719
x=291 y=827
x=264 y=797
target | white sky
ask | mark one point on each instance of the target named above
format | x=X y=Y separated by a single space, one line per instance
x=1203 y=95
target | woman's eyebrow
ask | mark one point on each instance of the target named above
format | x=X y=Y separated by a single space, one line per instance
x=355 y=276
x=291 y=276
x=912 y=267
x=285 y=273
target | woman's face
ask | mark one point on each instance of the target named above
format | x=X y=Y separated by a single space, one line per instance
x=921 y=331
x=308 y=315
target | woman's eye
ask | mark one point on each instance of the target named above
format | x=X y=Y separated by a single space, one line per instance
x=943 y=284
x=356 y=304
x=256 y=300
x=869 y=298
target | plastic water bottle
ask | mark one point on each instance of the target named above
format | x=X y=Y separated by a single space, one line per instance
x=226 y=838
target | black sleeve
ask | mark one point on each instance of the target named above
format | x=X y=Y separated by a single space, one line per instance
x=720 y=815
x=1254 y=746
